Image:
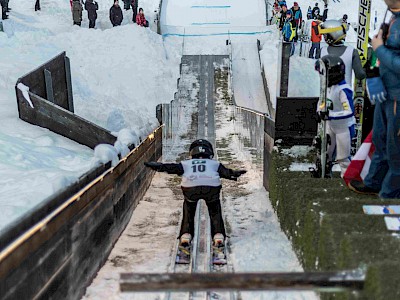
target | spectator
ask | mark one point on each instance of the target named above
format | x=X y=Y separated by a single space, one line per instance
x=345 y=22
x=37 y=5
x=309 y=13
x=116 y=16
x=316 y=38
x=91 y=7
x=127 y=4
x=335 y=39
x=77 y=12
x=289 y=30
x=316 y=11
x=338 y=113
x=298 y=18
x=4 y=15
x=283 y=16
x=141 y=19
x=325 y=13
x=134 y=4
x=384 y=173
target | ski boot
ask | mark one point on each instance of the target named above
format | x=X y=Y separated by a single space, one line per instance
x=184 y=247
x=218 y=247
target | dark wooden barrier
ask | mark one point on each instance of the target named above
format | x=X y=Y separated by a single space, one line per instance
x=296 y=122
x=68 y=239
x=51 y=94
x=181 y=282
x=269 y=142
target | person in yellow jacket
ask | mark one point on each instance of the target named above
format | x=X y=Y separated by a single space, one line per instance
x=289 y=30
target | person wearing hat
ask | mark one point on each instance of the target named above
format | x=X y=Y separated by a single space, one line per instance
x=289 y=30
x=316 y=11
x=297 y=17
x=282 y=19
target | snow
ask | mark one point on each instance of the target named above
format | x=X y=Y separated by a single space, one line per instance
x=25 y=92
x=119 y=76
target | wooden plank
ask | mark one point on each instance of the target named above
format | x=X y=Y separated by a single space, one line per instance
x=184 y=282
x=62 y=121
x=295 y=121
x=69 y=84
x=35 y=79
x=49 y=85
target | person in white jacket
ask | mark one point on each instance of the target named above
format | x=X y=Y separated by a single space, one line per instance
x=338 y=112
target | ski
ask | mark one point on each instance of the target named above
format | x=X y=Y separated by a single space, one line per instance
x=381 y=209
x=392 y=223
x=320 y=141
x=364 y=17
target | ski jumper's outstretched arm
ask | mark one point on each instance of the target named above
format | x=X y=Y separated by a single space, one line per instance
x=170 y=168
x=227 y=173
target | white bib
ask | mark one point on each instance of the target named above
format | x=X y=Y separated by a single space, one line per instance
x=200 y=172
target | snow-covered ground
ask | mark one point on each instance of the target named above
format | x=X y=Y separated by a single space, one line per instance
x=119 y=76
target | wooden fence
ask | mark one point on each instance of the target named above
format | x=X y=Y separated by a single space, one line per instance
x=56 y=250
x=50 y=91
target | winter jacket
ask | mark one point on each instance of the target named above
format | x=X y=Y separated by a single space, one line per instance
x=141 y=20
x=389 y=57
x=282 y=19
x=208 y=176
x=116 y=15
x=309 y=13
x=315 y=36
x=297 y=16
x=289 y=30
x=77 y=11
x=91 y=8
x=316 y=11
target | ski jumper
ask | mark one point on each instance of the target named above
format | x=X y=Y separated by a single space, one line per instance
x=351 y=59
x=384 y=172
x=340 y=125
x=201 y=179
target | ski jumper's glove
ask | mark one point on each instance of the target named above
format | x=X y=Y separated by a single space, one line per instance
x=324 y=115
x=156 y=166
x=236 y=174
x=376 y=90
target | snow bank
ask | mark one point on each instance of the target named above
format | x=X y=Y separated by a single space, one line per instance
x=119 y=76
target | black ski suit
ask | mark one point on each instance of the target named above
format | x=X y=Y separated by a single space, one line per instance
x=116 y=16
x=91 y=7
x=210 y=194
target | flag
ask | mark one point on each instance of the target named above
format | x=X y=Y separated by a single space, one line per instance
x=359 y=165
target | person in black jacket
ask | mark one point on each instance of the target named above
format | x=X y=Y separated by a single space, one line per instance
x=91 y=7
x=37 y=5
x=4 y=15
x=200 y=180
x=116 y=15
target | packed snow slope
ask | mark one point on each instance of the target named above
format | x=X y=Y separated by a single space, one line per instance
x=119 y=76
x=213 y=13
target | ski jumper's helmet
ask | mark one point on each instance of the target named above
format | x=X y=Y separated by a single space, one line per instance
x=201 y=149
x=335 y=69
x=334 y=32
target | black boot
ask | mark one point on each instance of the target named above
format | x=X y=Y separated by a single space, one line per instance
x=361 y=188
